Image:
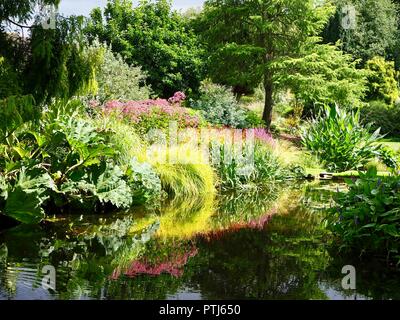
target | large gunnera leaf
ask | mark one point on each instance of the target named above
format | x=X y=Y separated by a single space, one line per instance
x=110 y=186
x=104 y=182
x=25 y=199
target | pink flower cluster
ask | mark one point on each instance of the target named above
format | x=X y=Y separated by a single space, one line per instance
x=174 y=266
x=264 y=136
x=178 y=97
x=137 y=111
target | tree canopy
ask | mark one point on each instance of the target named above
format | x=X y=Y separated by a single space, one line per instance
x=374 y=31
x=256 y=34
x=155 y=37
x=48 y=62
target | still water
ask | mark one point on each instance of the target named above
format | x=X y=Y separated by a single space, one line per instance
x=252 y=245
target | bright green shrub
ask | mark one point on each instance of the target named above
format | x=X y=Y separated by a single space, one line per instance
x=366 y=219
x=382 y=80
x=340 y=141
x=219 y=106
x=235 y=171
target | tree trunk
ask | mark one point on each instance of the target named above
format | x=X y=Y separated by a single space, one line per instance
x=269 y=103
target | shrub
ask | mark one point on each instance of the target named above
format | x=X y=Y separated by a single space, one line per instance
x=117 y=80
x=65 y=161
x=236 y=171
x=219 y=106
x=381 y=115
x=340 y=141
x=367 y=217
x=382 y=80
x=254 y=120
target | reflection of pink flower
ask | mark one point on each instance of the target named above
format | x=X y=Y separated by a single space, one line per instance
x=255 y=224
x=174 y=266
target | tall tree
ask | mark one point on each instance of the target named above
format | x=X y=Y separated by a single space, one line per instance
x=258 y=33
x=52 y=60
x=374 y=31
x=155 y=37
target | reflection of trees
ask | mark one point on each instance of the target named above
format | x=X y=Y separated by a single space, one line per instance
x=83 y=255
x=375 y=278
x=281 y=261
x=239 y=252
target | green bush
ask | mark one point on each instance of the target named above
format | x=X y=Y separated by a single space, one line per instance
x=254 y=120
x=340 y=141
x=367 y=217
x=219 y=106
x=381 y=115
x=236 y=172
x=382 y=80
x=117 y=80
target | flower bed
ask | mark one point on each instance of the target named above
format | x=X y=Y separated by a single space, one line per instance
x=155 y=114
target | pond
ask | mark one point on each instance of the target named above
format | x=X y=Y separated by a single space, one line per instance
x=250 y=245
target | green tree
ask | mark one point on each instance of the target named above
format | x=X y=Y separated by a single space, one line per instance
x=382 y=80
x=50 y=62
x=323 y=75
x=374 y=32
x=259 y=34
x=155 y=37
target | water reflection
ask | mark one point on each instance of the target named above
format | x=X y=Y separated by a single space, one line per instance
x=265 y=245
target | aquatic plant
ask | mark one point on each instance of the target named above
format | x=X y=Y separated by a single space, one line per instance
x=340 y=141
x=366 y=218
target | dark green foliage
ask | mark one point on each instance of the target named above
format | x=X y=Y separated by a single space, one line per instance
x=9 y=85
x=375 y=32
x=61 y=65
x=383 y=116
x=367 y=217
x=50 y=62
x=154 y=37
